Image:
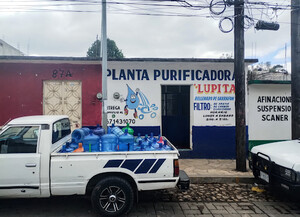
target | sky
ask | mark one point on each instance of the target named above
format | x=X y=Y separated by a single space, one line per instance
x=144 y=28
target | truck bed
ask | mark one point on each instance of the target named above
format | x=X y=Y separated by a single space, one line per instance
x=150 y=170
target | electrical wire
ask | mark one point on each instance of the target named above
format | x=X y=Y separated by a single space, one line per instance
x=217 y=9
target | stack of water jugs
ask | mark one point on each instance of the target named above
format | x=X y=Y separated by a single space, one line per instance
x=87 y=140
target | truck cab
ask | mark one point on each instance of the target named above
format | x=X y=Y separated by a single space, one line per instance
x=25 y=144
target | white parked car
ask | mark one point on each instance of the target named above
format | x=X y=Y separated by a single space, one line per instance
x=277 y=164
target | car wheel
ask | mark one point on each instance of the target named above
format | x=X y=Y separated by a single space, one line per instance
x=112 y=196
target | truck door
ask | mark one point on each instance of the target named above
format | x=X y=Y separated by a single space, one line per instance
x=19 y=162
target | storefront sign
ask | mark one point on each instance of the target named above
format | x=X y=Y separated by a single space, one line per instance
x=138 y=87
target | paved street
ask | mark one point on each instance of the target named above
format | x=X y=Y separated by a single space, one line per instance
x=218 y=200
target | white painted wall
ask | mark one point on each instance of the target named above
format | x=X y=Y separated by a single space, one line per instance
x=212 y=97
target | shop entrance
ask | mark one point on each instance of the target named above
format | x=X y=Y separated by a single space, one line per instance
x=176 y=114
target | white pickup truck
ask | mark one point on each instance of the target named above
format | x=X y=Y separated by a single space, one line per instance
x=278 y=164
x=32 y=166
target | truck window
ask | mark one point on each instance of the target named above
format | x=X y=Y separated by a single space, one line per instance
x=60 y=129
x=22 y=139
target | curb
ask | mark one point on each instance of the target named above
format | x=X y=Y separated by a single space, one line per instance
x=222 y=180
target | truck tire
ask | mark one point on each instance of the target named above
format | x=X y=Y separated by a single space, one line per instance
x=112 y=196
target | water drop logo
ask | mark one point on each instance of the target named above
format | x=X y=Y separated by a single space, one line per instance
x=132 y=101
x=138 y=101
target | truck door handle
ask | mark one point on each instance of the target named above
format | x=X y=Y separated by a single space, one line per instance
x=30 y=165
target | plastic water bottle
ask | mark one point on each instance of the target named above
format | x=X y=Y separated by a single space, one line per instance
x=138 y=146
x=166 y=146
x=149 y=147
x=78 y=135
x=126 y=142
x=80 y=148
x=155 y=145
x=99 y=131
x=109 y=141
x=130 y=130
x=63 y=149
x=73 y=144
x=151 y=137
x=68 y=148
x=116 y=130
x=145 y=141
x=91 y=142
x=161 y=142
x=138 y=138
x=85 y=130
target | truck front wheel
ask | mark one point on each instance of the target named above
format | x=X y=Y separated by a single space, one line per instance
x=112 y=196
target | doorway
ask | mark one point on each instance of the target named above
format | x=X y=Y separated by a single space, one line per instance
x=63 y=98
x=176 y=114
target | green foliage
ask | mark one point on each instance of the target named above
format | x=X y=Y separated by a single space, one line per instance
x=112 y=50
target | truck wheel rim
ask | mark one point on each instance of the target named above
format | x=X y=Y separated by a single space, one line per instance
x=112 y=199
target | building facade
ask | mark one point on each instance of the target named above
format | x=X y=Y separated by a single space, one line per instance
x=36 y=86
x=190 y=101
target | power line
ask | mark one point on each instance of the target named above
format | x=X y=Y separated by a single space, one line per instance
x=150 y=7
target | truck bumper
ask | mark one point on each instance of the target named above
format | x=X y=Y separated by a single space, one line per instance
x=184 y=181
x=273 y=174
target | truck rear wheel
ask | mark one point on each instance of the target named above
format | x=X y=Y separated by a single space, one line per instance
x=112 y=196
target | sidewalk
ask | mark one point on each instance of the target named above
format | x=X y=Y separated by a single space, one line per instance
x=214 y=171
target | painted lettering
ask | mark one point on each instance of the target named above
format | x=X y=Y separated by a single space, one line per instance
x=214 y=88
x=201 y=106
x=129 y=74
x=274 y=117
x=61 y=73
x=171 y=74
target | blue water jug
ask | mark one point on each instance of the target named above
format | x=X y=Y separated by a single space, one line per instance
x=68 y=148
x=63 y=149
x=73 y=144
x=109 y=141
x=78 y=135
x=149 y=147
x=85 y=130
x=155 y=145
x=99 y=131
x=116 y=130
x=126 y=142
x=166 y=146
x=91 y=142
x=145 y=141
x=151 y=138
x=138 y=138
x=138 y=146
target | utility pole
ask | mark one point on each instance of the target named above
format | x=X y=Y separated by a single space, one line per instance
x=104 y=65
x=239 y=70
x=295 y=46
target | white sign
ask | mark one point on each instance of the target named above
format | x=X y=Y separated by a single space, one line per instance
x=269 y=111
x=134 y=91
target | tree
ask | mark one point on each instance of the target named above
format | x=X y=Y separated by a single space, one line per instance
x=112 y=50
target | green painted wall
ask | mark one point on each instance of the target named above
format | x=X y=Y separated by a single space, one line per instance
x=253 y=143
